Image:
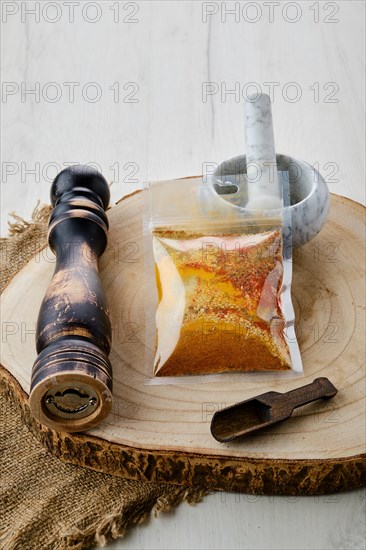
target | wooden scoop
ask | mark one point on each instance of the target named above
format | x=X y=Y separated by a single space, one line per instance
x=266 y=409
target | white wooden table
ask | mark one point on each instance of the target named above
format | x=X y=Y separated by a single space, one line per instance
x=152 y=90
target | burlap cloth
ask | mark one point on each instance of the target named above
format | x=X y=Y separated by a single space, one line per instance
x=46 y=503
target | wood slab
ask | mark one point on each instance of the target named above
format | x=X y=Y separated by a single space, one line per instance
x=162 y=433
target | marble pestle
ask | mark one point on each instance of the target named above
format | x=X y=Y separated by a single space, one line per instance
x=263 y=186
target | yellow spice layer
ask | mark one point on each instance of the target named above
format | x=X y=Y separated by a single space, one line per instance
x=219 y=302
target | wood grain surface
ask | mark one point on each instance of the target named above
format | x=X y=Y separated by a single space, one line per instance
x=162 y=431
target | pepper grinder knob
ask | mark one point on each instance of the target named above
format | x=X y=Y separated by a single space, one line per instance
x=71 y=385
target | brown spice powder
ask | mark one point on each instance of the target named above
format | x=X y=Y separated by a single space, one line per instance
x=232 y=318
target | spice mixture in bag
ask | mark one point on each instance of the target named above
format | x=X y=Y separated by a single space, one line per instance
x=219 y=302
x=220 y=298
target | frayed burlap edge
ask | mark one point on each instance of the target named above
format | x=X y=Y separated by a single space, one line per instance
x=29 y=237
x=113 y=526
x=39 y=215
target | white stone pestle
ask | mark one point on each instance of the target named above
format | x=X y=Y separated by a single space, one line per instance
x=264 y=191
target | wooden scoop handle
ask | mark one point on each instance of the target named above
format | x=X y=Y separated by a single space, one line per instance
x=71 y=386
x=319 y=388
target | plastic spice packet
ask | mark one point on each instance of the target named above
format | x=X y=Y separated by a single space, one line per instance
x=220 y=277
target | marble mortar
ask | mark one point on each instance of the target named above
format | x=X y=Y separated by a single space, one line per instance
x=309 y=194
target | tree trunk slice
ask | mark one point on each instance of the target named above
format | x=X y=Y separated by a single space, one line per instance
x=162 y=433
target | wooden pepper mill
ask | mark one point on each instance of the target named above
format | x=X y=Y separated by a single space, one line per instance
x=71 y=386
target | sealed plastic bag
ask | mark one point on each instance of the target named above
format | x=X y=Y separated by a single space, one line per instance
x=223 y=278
